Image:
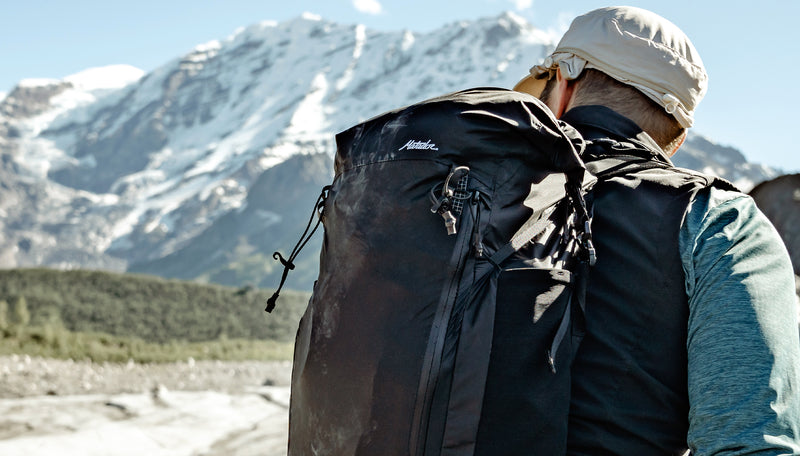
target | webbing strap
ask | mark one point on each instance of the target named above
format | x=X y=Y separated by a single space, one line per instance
x=560 y=333
x=519 y=239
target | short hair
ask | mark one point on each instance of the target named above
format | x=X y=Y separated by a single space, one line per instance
x=597 y=88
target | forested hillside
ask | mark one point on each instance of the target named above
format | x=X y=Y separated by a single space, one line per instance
x=137 y=314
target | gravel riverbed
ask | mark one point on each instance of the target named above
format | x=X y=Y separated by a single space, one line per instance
x=190 y=408
x=24 y=376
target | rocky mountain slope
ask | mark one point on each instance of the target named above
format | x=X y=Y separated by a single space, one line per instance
x=203 y=167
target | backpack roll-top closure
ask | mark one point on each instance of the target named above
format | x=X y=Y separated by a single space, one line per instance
x=478 y=124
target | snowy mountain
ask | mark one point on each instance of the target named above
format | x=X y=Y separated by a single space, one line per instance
x=203 y=167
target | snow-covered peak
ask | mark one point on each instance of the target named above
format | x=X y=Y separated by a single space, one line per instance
x=50 y=103
x=506 y=19
x=104 y=78
x=293 y=29
x=210 y=47
x=35 y=83
x=515 y=18
x=254 y=31
x=98 y=78
x=311 y=17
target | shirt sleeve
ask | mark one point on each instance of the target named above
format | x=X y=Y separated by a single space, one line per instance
x=743 y=342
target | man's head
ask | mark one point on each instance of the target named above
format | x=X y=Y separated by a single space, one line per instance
x=642 y=66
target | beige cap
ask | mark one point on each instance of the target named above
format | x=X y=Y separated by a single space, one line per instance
x=636 y=47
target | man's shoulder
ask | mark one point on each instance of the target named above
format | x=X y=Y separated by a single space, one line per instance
x=664 y=175
x=710 y=180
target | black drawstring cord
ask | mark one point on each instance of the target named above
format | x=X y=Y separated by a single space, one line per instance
x=288 y=264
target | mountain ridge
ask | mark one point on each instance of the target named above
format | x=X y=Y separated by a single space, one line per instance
x=150 y=172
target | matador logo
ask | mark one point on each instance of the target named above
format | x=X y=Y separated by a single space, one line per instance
x=419 y=145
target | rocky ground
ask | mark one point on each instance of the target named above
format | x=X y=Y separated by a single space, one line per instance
x=192 y=408
x=22 y=376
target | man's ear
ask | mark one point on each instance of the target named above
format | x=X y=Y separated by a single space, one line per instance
x=563 y=95
x=679 y=144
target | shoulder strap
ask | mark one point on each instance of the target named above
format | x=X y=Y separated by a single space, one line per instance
x=615 y=158
x=617 y=165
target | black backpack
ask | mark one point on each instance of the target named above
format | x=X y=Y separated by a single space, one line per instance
x=449 y=302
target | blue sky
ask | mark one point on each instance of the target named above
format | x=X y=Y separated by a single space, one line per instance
x=749 y=47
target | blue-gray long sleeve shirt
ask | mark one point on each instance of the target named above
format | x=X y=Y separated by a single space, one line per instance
x=743 y=344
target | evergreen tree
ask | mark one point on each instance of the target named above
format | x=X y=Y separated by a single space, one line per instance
x=3 y=314
x=22 y=316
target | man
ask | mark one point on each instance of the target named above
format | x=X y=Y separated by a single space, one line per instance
x=691 y=338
